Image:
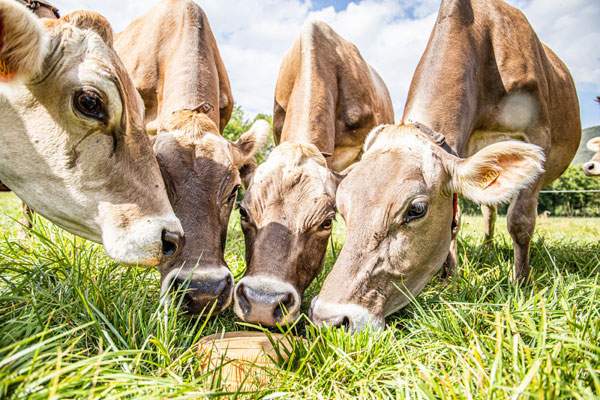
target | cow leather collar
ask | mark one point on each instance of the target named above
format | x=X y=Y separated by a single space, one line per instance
x=440 y=140
x=435 y=137
x=35 y=4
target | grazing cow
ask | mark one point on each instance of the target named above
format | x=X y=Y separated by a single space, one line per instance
x=73 y=144
x=327 y=99
x=178 y=71
x=506 y=105
x=592 y=167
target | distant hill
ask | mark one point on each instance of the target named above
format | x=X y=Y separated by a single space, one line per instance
x=583 y=154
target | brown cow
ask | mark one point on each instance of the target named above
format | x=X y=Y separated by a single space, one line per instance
x=178 y=70
x=503 y=100
x=200 y=170
x=326 y=101
x=592 y=167
x=73 y=145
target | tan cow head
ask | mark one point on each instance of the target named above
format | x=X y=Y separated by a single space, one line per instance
x=201 y=172
x=592 y=167
x=397 y=204
x=287 y=215
x=73 y=145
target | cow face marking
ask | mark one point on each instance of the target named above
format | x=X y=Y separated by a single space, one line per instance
x=72 y=112
x=287 y=215
x=200 y=169
x=399 y=219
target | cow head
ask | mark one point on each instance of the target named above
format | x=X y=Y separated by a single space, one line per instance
x=592 y=167
x=287 y=215
x=201 y=172
x=397 y=204
x=73 y=145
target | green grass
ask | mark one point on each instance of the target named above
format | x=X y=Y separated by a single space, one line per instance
x=74 y=324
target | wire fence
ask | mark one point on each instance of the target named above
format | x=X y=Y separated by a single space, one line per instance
x=570 y=191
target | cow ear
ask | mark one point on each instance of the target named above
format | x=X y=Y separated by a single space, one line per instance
x=339 y=176
x=373 y=136
x=496 y=173
x=594 y=144
x=23 y=42
x=246 y=147
x=89 y=20
x=250 y=142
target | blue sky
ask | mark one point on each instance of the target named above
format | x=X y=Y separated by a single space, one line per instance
x=338 y=5
x=253 y=36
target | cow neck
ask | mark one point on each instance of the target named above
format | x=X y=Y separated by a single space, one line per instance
x=445 y=90
x=440 y=140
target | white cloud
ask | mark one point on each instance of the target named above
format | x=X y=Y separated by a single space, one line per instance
x=253 y=36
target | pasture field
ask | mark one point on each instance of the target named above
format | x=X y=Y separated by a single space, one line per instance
x=73 y=324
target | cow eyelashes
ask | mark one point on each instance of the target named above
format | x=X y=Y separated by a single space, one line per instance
x=327 y=224
x=243 y=214
x=416 y=210
x=89 y=104
x=233 y=194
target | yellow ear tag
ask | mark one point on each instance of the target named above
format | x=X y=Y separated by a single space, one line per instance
x=5 y=73
x=488 y=178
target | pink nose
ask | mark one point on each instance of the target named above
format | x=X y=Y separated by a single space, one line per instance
x=337 y=321
x=264 y=307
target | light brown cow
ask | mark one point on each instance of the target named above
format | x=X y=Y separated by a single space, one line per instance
x=178 y=71
x=504 y=102
x=592 y=167
x=326 y=101
x=73 y=145
x=173 y=59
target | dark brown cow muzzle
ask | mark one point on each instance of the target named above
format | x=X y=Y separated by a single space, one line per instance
x=201 y=292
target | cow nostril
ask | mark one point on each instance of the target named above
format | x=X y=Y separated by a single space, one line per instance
x=283 y=307
x=345 y=323
x=170 y=244
x=340 y=322
x=242 y=299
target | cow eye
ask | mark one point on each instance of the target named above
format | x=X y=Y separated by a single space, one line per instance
x=89 y=103
x=416 y=210
x=327 y=224
x=243 y=214
x=233 y=194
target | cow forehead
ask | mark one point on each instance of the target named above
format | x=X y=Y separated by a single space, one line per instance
x=74 y=44
x=412 y=152
x=94 y=63
x=292 y=164
x=210 y=146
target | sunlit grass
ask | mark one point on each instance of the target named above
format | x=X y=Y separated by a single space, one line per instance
x=74 y=324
